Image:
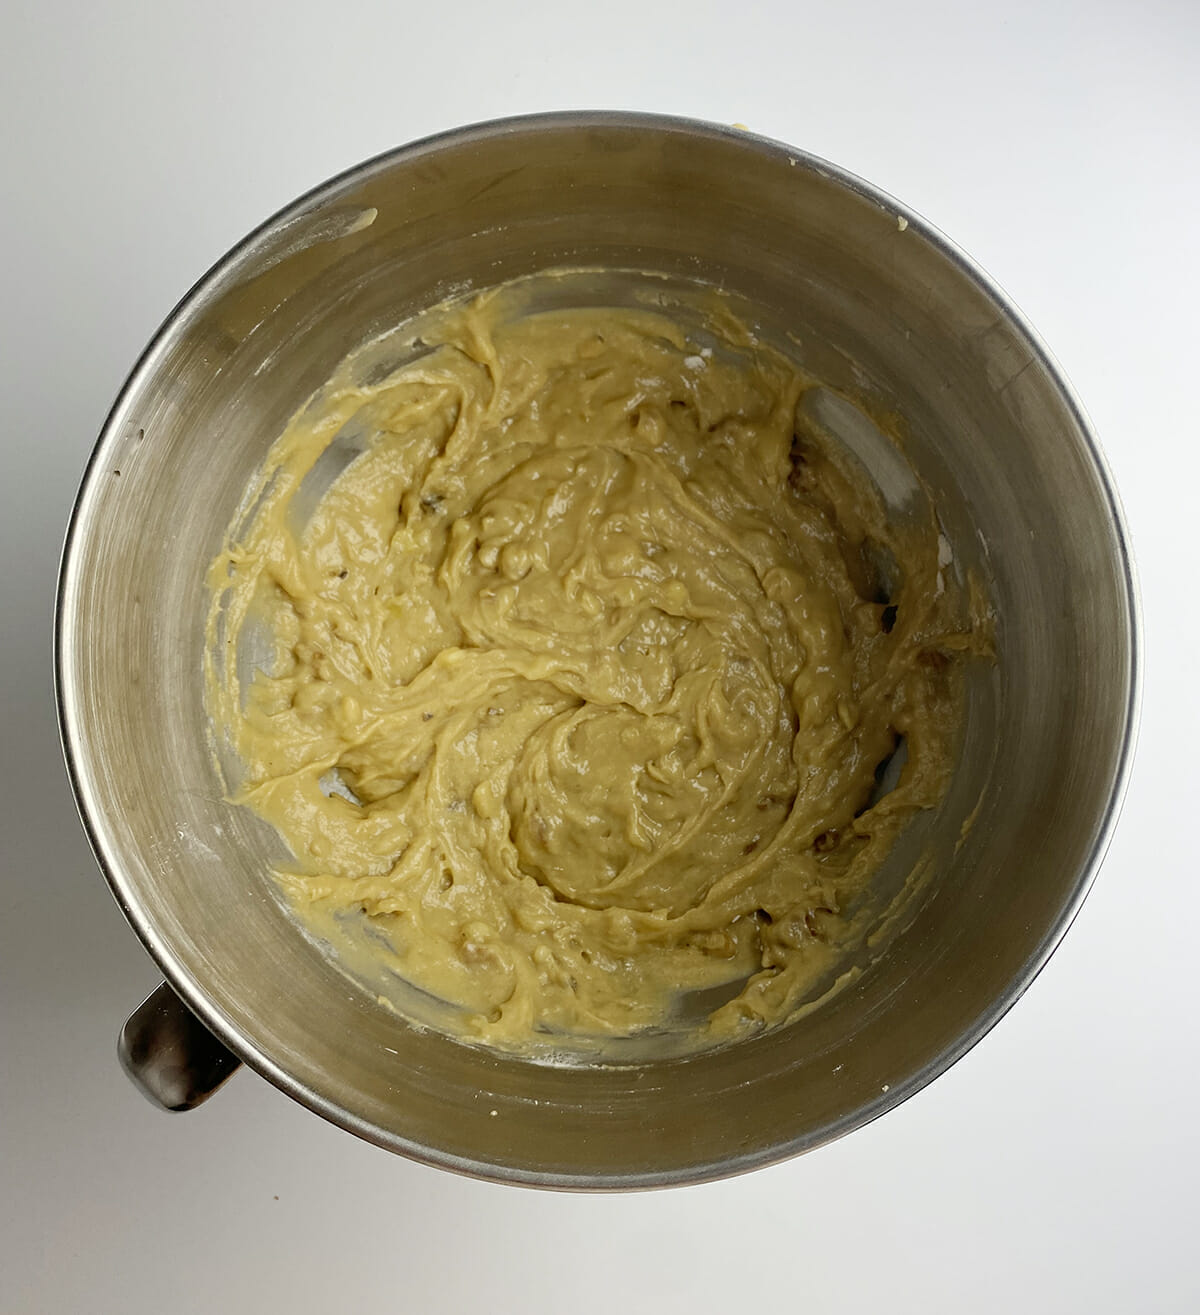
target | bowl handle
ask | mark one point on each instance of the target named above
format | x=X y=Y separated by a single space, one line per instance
x=170 y=1055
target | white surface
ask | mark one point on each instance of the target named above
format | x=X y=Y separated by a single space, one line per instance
x=1054 y=1168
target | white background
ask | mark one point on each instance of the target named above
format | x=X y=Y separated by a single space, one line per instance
x=1055 y=1168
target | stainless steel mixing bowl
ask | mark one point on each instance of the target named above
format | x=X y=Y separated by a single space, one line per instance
x=885 y=309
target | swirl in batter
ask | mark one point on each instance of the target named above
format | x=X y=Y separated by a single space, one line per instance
x=583 y=667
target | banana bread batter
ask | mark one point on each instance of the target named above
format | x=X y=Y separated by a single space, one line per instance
x=585 y=655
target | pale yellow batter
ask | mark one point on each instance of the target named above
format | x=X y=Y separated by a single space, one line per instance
x=582 y=669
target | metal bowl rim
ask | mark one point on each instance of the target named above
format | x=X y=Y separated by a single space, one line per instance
x=227 y=271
